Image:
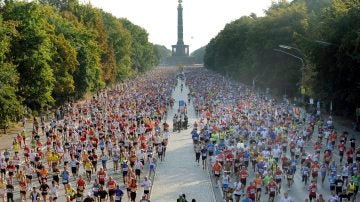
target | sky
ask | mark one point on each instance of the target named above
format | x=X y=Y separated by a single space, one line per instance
x=203 y=19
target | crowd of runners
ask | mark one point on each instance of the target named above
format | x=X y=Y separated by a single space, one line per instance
x=255 y=146
x=101 y=149
x=106 y=148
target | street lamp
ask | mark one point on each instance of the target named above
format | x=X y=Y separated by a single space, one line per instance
x=292 y=55
x=292 y=48
x=324 y=43
x=297 y=57
x=285 y=46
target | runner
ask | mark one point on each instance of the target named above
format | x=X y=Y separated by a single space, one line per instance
x=146 y=184
x=272 y=187
x=216 y=170
x=251 y=192
x=312 y=191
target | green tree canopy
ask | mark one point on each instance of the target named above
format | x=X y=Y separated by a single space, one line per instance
x=10 y=104
x=324 y=33
x=199 y=54
x=61 y=49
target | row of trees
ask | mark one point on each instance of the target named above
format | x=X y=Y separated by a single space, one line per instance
x=199 y=55
x=320 y=51
x=54 y=50
x=162 y=53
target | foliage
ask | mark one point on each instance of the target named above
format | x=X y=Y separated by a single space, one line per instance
x=246 y=48
x=336 y=57
x=120 y=40
x=162 y=53
x=56 y=50
x=199 y=54
x=143 y=55
x=10 y=104
x=32 y=52
x=324 y=33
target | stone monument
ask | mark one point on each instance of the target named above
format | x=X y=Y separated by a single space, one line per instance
x=180 y=51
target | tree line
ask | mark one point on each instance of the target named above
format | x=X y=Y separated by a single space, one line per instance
x=55 y=50
x=299 y=47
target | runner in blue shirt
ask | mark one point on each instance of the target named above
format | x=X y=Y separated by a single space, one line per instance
x=195 y=136
x=118 y=194
x=247 y=199
x=204 y=153
x=65 y=177
x=124 y=168
x=211 y=148
x=246 y=156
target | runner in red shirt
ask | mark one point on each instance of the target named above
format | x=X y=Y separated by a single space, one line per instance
x=315 y=167
x=80 y=184
x=278 y=176
x=101 y=176
x=23 y=188
x=251 y=191
x=111 y=186
x=272 y=187
x=327 y=157
x=350 y=155
x=317 y=147
x=11 y=169
x=217 y=169
x=243 y=175
x=312 y=191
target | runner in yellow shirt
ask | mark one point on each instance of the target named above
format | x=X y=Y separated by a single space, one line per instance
x=16 y=146
x=88 y=168
x=2 y=189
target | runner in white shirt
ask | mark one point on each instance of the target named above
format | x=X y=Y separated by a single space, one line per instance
x=146 y=184
x=286 y=198
x=138 y=167
x=53 y=191
x=16 y=161
x=334 y=198
x=29 y=172
x=237 y=191
x=166 y=135
x=67 y=157
x=3 y=166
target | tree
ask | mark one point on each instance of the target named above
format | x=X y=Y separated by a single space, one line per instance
x=119 y=40
x=87 y=75
x=245 y=48
x=60 y=49
x=199 y=54
x=60 y=4
x=32 y=53
x=93 y=18
x=10 y=104
x=64 y=63
x=143 y=55
x=336 y=57
x=162 y=53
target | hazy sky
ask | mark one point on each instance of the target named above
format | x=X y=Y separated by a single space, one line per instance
x=203 y=19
